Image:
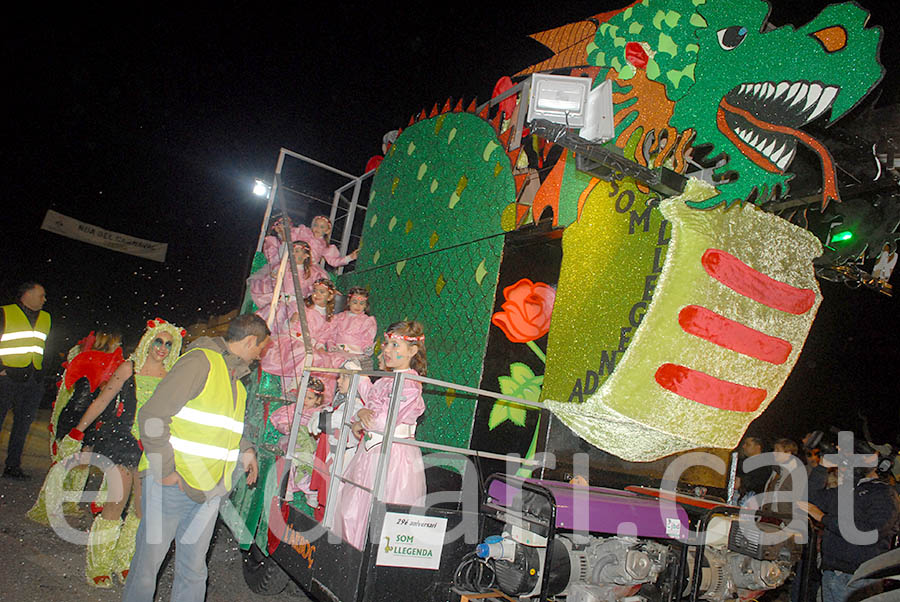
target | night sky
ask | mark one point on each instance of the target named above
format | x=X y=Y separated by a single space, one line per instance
x=154 y=123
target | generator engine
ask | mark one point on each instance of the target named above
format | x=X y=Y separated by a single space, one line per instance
x=591 y=565
x=581 y=567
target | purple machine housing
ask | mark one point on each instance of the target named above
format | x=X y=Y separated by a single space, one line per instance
x=548 y=506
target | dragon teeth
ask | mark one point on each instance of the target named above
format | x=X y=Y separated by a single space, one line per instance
x=785 y=160
x=814 y=91
x=780 y=89
x=794 y=88
x=825 y=101
x=801 y=94
x=769 y=149
x=774 y=157
x=768 y=91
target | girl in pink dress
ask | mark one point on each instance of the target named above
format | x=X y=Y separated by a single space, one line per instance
x=305 y=448
x=317 y=236
x=353 y=333
x=262 y=283
x=403 y=350
x=286 y=355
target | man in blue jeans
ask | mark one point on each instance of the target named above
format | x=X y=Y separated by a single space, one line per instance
x=192 y=435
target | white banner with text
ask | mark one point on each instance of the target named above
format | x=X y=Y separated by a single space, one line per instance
x=95 y=235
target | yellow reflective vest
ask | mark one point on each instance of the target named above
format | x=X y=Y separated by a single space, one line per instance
x=205 y=434
x=21 y=343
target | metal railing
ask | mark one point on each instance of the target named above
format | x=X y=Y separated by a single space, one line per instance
x=337 y=468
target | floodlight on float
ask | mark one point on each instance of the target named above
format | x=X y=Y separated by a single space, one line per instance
x=559 y=99
x=570 y=101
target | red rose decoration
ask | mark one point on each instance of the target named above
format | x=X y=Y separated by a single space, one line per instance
x=526 y=311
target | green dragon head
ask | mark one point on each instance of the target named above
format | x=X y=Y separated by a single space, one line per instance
x=769 y=84
x=746 y=87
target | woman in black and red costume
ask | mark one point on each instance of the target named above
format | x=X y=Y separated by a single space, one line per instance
x=111 y=540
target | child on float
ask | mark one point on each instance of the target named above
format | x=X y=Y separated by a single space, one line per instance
x=353 y=331
x=317 y=235
x=262 y=284
x=286 y=355
x=305 y=447
x=325 y=425
x=403 y=350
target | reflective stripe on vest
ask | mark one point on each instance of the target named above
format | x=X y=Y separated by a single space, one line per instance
x=206 y=433
x=21 y=343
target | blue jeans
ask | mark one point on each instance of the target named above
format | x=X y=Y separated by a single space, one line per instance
x=170 y=514
x=835 y=587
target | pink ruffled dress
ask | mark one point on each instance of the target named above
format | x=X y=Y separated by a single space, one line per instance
x=319 y=247
x=285 y=355
x=405 y=482
x=262 y=284
x=352 y=338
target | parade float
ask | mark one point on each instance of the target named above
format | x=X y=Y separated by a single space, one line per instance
x=614 y=271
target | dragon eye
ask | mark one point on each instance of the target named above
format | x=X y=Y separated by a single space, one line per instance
x=731 y=37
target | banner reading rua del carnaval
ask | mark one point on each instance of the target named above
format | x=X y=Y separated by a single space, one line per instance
x=95 y=235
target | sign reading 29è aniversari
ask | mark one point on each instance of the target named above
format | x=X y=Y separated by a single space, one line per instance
x=411 y=540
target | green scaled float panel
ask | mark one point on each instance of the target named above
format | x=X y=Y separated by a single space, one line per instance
x=431 y=250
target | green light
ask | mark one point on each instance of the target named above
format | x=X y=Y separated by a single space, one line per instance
x=842 y=236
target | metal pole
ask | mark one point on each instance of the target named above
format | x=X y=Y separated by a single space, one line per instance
x=384 y=457
x=337 y=466
x=295 y=426
x=334 y=207
x=318 y=164
x=348 y=224
x=271 y=200
x=295 y=275
x=516 y=141
x=732 y=478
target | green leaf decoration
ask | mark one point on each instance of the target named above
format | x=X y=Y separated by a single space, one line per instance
x=521 y=382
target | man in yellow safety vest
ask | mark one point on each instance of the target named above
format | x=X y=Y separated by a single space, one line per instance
x=192 y=436
x=24 y=327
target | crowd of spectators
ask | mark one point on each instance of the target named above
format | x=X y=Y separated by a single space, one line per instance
x=777 y=479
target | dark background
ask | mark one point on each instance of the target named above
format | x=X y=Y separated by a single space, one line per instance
x=153 y=121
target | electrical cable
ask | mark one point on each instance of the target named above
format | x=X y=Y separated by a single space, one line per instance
x=471 y=574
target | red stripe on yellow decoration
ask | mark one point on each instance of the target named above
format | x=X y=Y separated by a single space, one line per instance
x=744 y=280
x=718 y=329
x=709 y=390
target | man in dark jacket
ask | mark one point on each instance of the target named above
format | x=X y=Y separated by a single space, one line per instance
x=857 y=525
x=752 y=482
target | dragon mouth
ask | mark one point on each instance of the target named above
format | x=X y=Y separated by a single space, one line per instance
x=763 y=119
